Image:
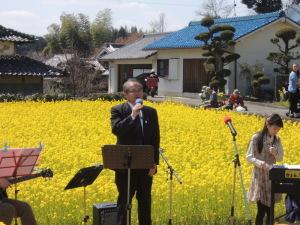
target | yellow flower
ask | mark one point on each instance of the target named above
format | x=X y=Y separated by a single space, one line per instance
x=197 y=143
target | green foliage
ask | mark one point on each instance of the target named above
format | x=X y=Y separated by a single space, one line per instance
x=263 y=80
x=226 y=72
x=286 y=34
x=101 y=29
x=217 y=48
x=286 y=51
x=226 y=35
x=263 y=6
x=231 y=58
x=203 y=37
x=255 y=83
x=215 y=29
x=210 y=60
x=231 y=43
x=53 y=43
x=257 y=75
x=227 y=27
x=207 y=21
x=59 y=97
x=257 y=78
x=75 y=34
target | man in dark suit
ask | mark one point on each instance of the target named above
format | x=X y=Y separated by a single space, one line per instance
x=135 y=124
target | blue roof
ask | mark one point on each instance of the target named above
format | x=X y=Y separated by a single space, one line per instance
x=185 y=38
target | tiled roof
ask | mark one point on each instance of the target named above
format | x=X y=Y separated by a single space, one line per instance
x=11 y=35
x=25 y=66
x=185 y=38
x=134 y=50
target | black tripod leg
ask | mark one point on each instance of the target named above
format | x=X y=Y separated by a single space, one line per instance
x=231 y=218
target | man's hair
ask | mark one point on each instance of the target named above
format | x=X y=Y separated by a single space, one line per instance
x=126 y=84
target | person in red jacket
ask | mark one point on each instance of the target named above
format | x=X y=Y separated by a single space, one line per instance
x=152 y=83
x=235 y=100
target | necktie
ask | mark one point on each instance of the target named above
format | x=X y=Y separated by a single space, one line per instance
x=139 y=129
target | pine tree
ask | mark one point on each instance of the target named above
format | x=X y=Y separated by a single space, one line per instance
x=218 y=42
x=263 y=6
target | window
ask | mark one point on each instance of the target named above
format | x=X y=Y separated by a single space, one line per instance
x=162 y=67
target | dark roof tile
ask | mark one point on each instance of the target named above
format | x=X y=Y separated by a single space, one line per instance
x=11 y=35
x=25 y=66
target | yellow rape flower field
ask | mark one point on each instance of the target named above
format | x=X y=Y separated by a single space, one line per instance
x=196 y=141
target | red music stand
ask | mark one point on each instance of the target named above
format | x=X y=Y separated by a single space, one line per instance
x=18 y=162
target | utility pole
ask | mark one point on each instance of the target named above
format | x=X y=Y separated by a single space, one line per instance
x=234 y=8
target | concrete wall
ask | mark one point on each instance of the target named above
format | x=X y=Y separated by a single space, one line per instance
x=21 y=84
x=114 y=70
x=173 y=84
x=253 y=49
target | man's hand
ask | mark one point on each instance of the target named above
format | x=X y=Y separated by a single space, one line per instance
x=135 y=110
x=153 y=171
x=4 y=183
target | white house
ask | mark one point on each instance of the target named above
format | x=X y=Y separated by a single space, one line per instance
x=130 y=61
x=178 y=57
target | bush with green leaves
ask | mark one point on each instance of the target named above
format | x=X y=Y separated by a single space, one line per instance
x=287 y=42
x=218 y=50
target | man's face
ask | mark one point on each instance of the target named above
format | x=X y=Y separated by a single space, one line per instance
x=134 y=91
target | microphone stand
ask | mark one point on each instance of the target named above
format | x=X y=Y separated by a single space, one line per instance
x=237 y=165
x=171 y=172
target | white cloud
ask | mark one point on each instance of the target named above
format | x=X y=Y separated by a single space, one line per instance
x=69 y=2
x=129 y=5
x=17 y=14
x=23 y=21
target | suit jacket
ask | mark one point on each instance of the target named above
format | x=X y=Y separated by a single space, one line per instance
x=127 y=132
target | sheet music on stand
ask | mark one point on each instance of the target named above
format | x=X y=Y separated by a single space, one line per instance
x=16 y=162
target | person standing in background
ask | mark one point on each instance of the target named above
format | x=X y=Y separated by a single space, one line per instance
x=293 y=91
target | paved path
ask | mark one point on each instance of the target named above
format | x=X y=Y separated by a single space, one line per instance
x=259 y=108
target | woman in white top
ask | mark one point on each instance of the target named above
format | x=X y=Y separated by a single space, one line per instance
x=264 y=150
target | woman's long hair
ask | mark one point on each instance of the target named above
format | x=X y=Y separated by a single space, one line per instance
x=273 y=119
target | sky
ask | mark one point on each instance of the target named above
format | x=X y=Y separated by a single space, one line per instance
x=34 y=16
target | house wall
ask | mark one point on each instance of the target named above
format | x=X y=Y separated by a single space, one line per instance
x=254 y=49
x=173 y=84
x=114 y=70
x=7 y=48
x=21 y=84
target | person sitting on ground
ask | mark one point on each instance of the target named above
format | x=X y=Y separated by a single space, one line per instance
x=204 y=95
x=235 y=100
x=213 y=99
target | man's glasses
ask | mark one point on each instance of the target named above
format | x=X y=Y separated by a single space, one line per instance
x=134 y=91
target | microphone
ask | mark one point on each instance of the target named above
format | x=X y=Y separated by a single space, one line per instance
x=139 y=101
x=227 y=121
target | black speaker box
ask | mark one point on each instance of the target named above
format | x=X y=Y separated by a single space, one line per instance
x=105 y=214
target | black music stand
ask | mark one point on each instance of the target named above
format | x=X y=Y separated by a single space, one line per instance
x=128 y=157
x=84 y=177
